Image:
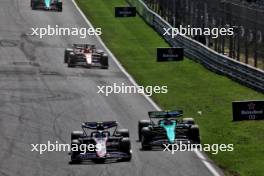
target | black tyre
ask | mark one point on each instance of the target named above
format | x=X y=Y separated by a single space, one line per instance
x=76 y=135
x=75 y=159
x=188 y=120
x=59 y=6
x=146 y=138
x=66 y=54
x=99 y=160
x=123 y=132
x=194 y=134
x=33 y=4
x=125 y=145
x=141 y=124
x=98 y=51
x=128 y=158
x=104 y=61
x=71 y=62
x=75 y=143
x=144 y=144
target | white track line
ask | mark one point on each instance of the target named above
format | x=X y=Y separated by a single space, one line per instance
x=198 y=153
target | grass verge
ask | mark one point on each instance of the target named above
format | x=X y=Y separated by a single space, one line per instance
x=191 y=87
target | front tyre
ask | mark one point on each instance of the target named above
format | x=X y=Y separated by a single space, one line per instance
x=141 y=124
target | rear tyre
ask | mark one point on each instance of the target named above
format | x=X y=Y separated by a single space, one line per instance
x=144 y=144
x=104 y=61
x=59 y=6
x=189 y=121
x=99 y=160
x=146 y=138
x=75 y=162
x=141 y=124
x=127 y=158
x=66 y=54
x=100 y=51
x=33 y=5
x=75 y=154
x=125 y=145
x=70 y=62
x=194 y=134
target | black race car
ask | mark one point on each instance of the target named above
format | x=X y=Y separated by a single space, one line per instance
x=46 y=5
x=85 y=55
x=108 y=144
x=167 y=130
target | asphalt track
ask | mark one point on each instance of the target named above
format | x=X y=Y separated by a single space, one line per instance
x=42 y=99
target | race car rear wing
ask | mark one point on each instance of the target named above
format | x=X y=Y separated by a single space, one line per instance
x=165 y=114
x=99 y=125
x=84 y=46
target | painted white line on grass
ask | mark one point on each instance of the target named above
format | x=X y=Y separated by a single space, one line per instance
x=131 y=79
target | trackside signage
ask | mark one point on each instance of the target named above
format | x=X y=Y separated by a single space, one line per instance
x=248 y=110
x=169 y=54
x=125 y=11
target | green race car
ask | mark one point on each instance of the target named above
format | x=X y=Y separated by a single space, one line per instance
x=46 y=5
x=167 y=130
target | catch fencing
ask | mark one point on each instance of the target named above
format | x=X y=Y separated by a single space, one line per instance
x=221 y=64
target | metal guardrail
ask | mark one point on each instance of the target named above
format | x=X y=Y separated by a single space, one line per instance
x=221 y=64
